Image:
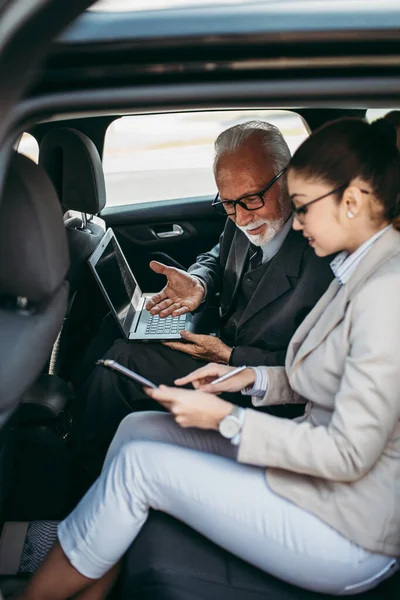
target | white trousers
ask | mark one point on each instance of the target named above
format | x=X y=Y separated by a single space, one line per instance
x=192 y=475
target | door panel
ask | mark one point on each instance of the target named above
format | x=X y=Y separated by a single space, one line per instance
x=191 y=225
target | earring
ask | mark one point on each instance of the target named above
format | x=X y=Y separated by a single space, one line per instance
x=350 y=214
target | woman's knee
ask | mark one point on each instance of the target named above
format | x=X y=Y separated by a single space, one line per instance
x=139 y=426
x=138 y=464
x=147 y=425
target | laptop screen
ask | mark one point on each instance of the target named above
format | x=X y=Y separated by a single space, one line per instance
x=118 y=282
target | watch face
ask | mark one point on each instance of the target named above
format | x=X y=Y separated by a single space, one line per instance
x=229 y=427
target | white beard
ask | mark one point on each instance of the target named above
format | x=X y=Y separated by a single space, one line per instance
x=270 y=232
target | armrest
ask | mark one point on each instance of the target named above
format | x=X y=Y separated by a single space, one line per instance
x=45 y=399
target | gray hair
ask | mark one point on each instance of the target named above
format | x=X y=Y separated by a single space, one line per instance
x=272 y=140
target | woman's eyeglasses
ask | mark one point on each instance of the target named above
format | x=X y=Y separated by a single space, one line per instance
x=301 y=211
x=248 y=202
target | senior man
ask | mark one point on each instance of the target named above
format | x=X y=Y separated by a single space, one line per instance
x=266 y=275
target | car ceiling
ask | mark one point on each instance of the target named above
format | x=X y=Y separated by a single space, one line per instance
x=259 y=55
x=216 y=43
x=294 y=19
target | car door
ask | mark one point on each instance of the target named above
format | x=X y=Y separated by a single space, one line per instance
x=174 y=232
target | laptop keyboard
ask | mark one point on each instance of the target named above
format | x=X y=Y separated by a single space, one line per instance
x=168 y=325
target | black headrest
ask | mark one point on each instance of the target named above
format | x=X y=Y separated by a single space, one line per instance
x=33 y=247
x=74 y=166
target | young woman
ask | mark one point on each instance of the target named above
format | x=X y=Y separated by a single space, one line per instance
x=314 y=502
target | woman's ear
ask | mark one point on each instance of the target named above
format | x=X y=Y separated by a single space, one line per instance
x=352 y=201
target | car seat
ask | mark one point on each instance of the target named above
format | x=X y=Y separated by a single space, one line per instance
x=33 y=291
x=170 y=561
x=73 y=164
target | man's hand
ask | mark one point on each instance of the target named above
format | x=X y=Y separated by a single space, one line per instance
x=191 y=408
x=205 y=347
x=183 y=293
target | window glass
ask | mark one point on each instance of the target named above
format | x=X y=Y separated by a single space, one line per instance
x=167 y=156
x=140 y=5
x=29 y=147
x=274 y=5
x=377 y=113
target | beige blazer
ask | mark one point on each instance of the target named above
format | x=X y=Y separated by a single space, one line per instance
x=341 y=461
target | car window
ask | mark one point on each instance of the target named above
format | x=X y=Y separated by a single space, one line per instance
x=285 y=5
x=148 y=158
x=29 y=147
x=377 y=113
x=139 y=5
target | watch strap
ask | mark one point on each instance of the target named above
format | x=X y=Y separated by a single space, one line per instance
x=238 y=412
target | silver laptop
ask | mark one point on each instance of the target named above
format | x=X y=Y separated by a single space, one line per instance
x=127 y=301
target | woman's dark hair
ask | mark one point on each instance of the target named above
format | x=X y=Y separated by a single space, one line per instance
x=393 y=117
x=342 y=150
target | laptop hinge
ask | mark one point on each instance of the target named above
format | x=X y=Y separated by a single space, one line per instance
x=138 y=316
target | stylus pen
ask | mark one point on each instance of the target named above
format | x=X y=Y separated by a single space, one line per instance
x=228 y=375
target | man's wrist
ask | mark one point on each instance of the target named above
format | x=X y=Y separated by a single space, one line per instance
x=230 y=358
x=225 y=354
x=203 y=285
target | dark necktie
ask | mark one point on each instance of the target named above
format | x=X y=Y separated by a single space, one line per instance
x=256 y=255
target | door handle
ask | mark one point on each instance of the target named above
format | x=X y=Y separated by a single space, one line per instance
x=176 y=231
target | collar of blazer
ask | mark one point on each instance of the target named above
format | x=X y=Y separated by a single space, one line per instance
x=321 y=320
x=286 y=263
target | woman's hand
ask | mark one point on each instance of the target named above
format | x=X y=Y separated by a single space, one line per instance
x=202 y=378
x=191 y=408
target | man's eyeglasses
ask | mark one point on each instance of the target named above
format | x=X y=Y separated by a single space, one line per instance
x=249 y=202
x=301 y=211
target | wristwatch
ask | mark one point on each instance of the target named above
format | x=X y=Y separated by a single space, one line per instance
x=231 y=425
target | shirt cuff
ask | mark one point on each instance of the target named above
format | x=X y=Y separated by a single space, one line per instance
x=260 y=385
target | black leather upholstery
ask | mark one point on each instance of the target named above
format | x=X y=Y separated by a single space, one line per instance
x=81 y=242
x=25 y=343
x=74 y=166
x=169 y=561
x=42 y=485
x=33 y=293
x=45 y=400
x=33 y=265
x=33 y=249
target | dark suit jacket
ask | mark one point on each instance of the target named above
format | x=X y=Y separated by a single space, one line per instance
x=288 y=290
